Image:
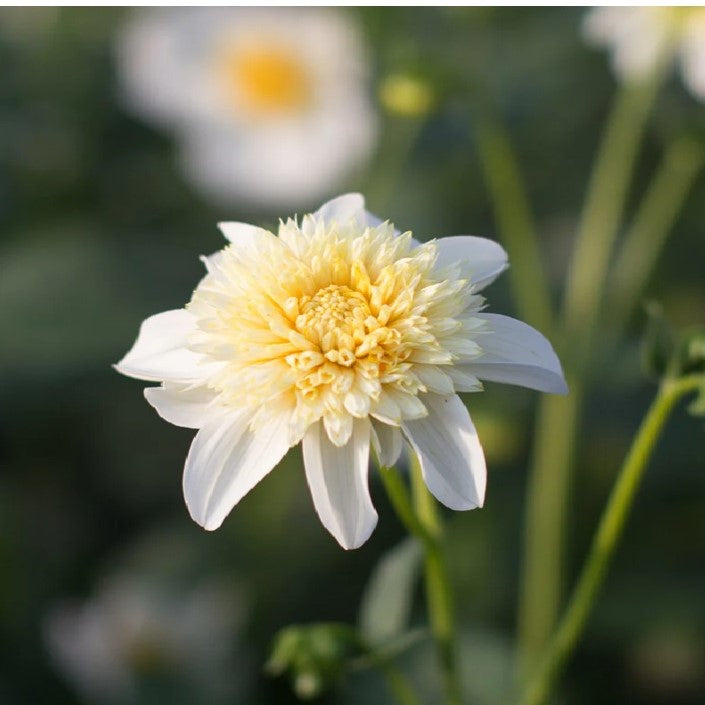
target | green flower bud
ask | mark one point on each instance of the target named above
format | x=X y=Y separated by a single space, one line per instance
x=314 y=656
x=405 y=95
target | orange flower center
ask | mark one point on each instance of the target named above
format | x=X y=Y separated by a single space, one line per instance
x=267 y=80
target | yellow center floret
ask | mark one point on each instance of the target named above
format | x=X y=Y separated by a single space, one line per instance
x=266 y=80
x=334 y=322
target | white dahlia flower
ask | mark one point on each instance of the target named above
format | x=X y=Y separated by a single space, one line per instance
x=341 y=333
x=641 y=37
x=270 y=105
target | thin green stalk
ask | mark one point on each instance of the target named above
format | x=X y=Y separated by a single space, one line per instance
x=515 y=222
x=399 y=497
x=606 y=538
x=421 y=520
x=438 y=592
x=558 y=418
x=398 y=685
x=645 y=239
x=382 y=660
x=546 y=509
x=604 y=204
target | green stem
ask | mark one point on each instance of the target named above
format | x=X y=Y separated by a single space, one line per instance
x=398 y=685
x=604 y=204
x=515 y=222
x=546 y=510
x=606 y=538
x=421 y=520
x=558 y=418
x=373 y=657
x=651 y=226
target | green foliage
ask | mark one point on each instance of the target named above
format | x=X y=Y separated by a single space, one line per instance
x=386 y=603
x=313 y=656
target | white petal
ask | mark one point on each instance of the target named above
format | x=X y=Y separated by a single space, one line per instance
x=372 y=220
x=189 y=407
x=516 y=353
x=227 y=460
x=693 y=55
x=464 y=381
x=343 y=209
x=337 y=478
x=434 y=378
x=240 y=233
x=636 y=36
x=480 y=259
x=451 y=457
x=386 y=441
x=160 y=352
x=386 y=409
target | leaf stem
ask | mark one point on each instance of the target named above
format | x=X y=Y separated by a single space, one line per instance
x=606 y=538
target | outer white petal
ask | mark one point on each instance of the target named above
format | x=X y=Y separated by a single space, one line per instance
x=181 y=405
x=693 y=55
x=227 y=460
x=337 y=478
x=160 y=352
x=372 y=220
x=480 y=259
x=262 y=165
x=343 y=209
x=451 y=457
x=387 y=443
x=516 y=353
x=242 y=234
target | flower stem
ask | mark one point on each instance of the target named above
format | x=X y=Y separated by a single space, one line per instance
x=604 y=204
x=558 y=418
x=421 y=520
x=644 y=241
x=398 y=685
x=515 y=222
x=606 y=538
x=546 y=508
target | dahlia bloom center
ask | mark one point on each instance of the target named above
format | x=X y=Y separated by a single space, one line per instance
x=340 y=322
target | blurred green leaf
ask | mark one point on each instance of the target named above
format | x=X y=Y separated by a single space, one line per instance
x=386 y=603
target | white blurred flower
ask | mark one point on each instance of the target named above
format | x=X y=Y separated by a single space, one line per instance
x=133 y=628
x=642 y=37
x=340 y=333
x=270 y=104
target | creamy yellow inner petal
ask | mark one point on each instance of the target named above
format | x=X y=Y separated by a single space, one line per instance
x=336 y=323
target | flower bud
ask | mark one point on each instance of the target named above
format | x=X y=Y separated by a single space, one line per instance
x=313 y=656
x=405 y=95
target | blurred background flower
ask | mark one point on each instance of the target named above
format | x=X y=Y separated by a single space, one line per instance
x=150 y=636
x=640 y=38
x=270 y=106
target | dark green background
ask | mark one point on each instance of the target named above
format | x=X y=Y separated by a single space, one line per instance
x=99 y=229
